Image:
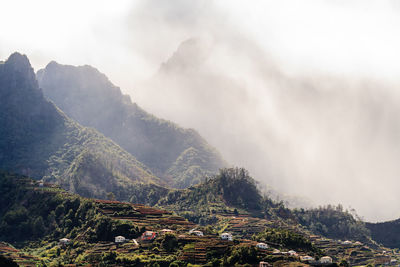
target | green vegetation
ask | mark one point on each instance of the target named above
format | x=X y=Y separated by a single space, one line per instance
x=6 y=262
x=33 y=218
x=229 y=191
x=333 y=222
x=38 y=140
x=386 y=233
x=242 y=255
x=180 y=156
x=285 y=238
x=29 y=212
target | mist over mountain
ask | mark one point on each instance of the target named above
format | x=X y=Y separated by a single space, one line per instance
x=303 y=135
x=39 y=140
x=179 y=156
x=303 y=94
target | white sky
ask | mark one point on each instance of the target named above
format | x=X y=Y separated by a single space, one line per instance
x=338 y=36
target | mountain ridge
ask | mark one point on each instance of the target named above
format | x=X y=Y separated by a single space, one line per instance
x=39 y=140
x=180 y=156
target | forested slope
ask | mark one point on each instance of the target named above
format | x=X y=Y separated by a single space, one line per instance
x=180 y=156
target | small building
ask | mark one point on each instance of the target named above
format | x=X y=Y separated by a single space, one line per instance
x=41 y=184
x=227 y=236
x=120 y=239
x=264 y=264
x=64 y=241
x=307 y=258
x=165 y=231
x=347 y=242
x=262 y=246
x=292 y=253
x=198 y=233
x=326 y=260
x=149 y=236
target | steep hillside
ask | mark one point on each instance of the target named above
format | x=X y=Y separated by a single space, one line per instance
x=180 y=156
x=33 y=217
x=29 y=212
x=38 y=140
x=333 y=222
x=386 y=233
x=231 y=191
x=234 y=192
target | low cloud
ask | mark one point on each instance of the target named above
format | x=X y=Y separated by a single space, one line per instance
x=329 y=137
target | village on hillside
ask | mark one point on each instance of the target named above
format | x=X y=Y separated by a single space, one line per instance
x=166 y=237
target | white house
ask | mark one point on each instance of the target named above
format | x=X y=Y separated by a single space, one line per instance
x=264 y=264
x=64 y=241
x=292 y=253
x=197 y=232
x=306 y=258
x=347 y=242
x=262 y=245
x=325 y=259
x=120 y=239
x=227 y=236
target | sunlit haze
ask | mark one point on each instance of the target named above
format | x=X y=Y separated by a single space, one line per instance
x=304 y=94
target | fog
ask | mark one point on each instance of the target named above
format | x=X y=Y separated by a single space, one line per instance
x=303 y=94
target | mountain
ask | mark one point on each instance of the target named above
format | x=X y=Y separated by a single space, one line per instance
x=180 y=156
x=386 y=233
x=39 y=140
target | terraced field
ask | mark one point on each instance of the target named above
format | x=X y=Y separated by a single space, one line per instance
x=197 y=248
x=144 y=216
x=18 y=256
x=188 y=248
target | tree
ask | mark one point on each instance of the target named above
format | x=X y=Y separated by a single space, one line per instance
x=6 y=262
x=169 y=242
x=38 y=226
x=110 y=196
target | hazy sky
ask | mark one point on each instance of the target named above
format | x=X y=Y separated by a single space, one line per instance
x=304 y=93
x=337 y=35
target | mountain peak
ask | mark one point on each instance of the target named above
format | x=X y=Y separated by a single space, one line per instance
x=19 y=76
x=191 y=53
x=18 y=60
x=52 y=64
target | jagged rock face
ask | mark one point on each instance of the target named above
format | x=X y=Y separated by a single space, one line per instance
x=18 y=84
x=87 y=96
x=26 y=120
x=18 y=73
x=39 y=140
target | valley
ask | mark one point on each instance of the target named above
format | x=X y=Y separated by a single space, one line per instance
x=88 y=178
